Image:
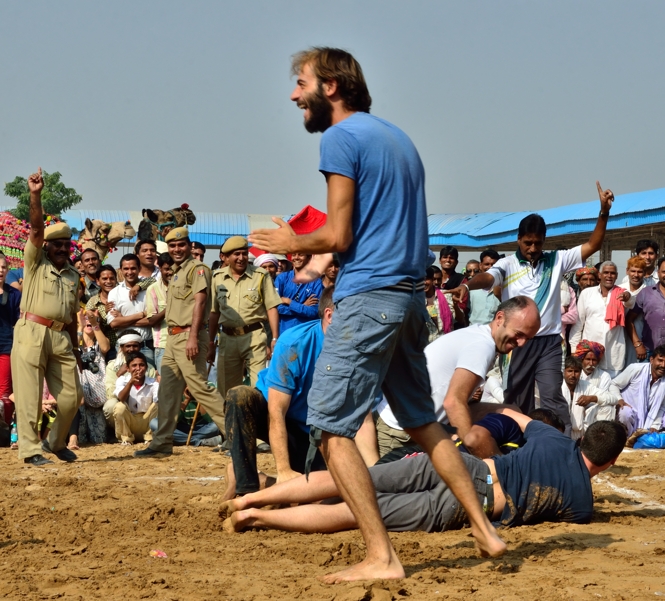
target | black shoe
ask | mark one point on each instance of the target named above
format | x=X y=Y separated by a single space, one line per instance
x=63 y=454
x=37 y=460
x=148 y=452
x=264 y=447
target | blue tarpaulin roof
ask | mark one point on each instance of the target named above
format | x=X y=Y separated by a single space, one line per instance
x=473 y=230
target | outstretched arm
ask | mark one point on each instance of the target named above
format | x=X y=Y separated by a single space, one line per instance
x=35 y=185
x=598 y=234
x=335 y=236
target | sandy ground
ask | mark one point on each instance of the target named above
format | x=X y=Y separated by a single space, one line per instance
x=86 y=530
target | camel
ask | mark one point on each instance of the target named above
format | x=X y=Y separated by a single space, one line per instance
x=104 y=237
x=156 y=223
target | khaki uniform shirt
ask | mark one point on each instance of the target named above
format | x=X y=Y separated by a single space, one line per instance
x=243 y=301
x=47 y=292
x=188 y=279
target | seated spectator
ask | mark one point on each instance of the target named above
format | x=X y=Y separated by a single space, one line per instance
x=89 y=424
x=634 y=283
x=137 y=402
x=590 y=353
x=299 y=301
x=206 y=433
x=10 y=300
x=641 y=390
x=458 y=364
x=277 y=408
x=583 y=398
x=412 y=497
x=484 y=303
x=98 y=306
x=129 y=342
x=155 y=305
x=129 y=304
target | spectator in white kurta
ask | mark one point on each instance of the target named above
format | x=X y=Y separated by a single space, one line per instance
x=641 y=389
x=582 y=397
x=590 y=353
x=601 y=318
x=634 y=282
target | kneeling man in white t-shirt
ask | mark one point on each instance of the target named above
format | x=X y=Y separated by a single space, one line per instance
x=458 y=364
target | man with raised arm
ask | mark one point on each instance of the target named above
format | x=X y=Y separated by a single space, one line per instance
x=376 y=195
x=534 y=273
x=43 y=336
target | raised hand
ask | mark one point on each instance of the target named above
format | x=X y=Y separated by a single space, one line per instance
x=274 y=240
x=606 y=198
x=36 y=181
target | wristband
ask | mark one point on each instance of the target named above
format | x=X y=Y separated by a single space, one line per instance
x=601 y=214
x=466 y=286
x=639 y=344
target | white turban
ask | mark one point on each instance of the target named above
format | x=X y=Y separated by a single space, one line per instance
x=266 y=258
x=129 y=338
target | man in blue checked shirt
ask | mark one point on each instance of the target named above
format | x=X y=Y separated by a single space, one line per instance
x=299 y=301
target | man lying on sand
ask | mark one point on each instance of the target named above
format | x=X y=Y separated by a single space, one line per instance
x=526 y=486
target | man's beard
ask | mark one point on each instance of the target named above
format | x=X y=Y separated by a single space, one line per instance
x=320 y=112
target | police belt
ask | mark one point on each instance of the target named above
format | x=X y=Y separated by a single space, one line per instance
x=242 y=330
x=53 y=324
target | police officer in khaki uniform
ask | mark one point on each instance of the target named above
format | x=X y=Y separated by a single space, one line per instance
x=184 y=362
x=244 y=297
x=44 y=334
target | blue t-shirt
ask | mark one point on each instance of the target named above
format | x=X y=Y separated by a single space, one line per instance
x=389 y=213
x=292 y=368
x=10 y=302
x=14 y=275
x=296 y=312
x=546 y=480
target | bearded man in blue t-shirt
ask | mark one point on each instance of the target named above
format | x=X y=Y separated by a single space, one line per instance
x=377 y=223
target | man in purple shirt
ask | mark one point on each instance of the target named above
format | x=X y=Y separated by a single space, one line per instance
x=650 y=302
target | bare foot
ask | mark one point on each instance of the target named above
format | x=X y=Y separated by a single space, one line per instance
x=490 y=545
x=230 y=491
x=73 y=443
x=228 y=508
x=367 y=570
x=239 y=521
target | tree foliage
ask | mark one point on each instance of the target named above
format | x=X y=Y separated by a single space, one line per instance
x=56 y=197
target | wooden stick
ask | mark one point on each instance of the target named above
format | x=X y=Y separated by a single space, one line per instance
x=196 y=414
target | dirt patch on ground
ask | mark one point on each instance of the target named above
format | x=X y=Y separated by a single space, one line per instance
x=86 y=530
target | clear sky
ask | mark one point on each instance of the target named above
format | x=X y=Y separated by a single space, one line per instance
x=512 y=105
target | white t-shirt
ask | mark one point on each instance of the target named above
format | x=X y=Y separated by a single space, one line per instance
x=518 y=278
x=471 y=348
x=140 y=399
x=120 y=296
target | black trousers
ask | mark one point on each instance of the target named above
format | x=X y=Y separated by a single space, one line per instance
x=539 y=360
x=247 y=420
